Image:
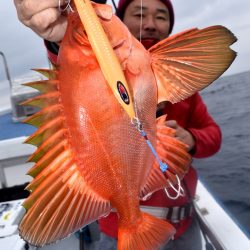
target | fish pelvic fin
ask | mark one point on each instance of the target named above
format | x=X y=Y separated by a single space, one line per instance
x=149 y=233
x=172 y=152
x=189 y=61
x=61 y=201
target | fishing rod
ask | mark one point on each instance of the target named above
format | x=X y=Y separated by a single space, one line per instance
x=115 y=7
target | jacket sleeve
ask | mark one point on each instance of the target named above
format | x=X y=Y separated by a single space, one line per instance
x=206 y=132
x=52 y=51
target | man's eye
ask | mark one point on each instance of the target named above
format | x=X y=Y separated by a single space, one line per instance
x=161 y=18
x=139 y=15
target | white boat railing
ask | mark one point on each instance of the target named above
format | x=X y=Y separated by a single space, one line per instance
x=221 y=229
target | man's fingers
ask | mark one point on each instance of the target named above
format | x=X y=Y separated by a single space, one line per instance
x=28 y=8
x=52 y=31
x=171 y=124
x=41 y=21
x=57 y=31
x=43 y=17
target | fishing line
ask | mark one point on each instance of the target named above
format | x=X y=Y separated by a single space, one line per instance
x=141 y=21
x=163 y=166
x=136 y=121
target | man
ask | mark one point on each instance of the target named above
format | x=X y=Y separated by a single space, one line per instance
x=194 y=126
x=149 y=23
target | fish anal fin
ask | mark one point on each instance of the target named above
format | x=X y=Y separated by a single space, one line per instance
x=189 y=61
x=172 y=152
x=155 y=181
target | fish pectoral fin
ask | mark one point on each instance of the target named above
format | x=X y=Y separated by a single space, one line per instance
x=189 y=61
x=61 y=203
x=172 y=152
x=104 y=11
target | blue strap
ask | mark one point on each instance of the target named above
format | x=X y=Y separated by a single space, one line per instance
x=163 y=166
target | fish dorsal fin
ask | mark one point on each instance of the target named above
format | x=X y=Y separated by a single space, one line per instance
x=189 y=61
x=173 y=153
x=61 y=201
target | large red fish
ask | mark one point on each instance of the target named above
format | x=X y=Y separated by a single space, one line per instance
x=90 y=158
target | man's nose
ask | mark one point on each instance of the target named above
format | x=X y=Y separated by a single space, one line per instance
x=149 y=24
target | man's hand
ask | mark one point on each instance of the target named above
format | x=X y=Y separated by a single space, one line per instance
x=182 y=134
x=43 y=17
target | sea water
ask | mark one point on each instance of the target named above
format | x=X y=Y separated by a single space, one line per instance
x=227 y=174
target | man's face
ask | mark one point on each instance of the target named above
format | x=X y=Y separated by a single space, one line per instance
x=155 y=19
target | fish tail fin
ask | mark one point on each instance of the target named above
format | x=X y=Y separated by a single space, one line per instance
x=149 y=233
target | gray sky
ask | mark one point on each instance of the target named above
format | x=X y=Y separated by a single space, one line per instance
x=24 y=49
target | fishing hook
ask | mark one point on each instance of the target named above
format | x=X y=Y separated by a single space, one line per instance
x=67 y=6
x=179 y=191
